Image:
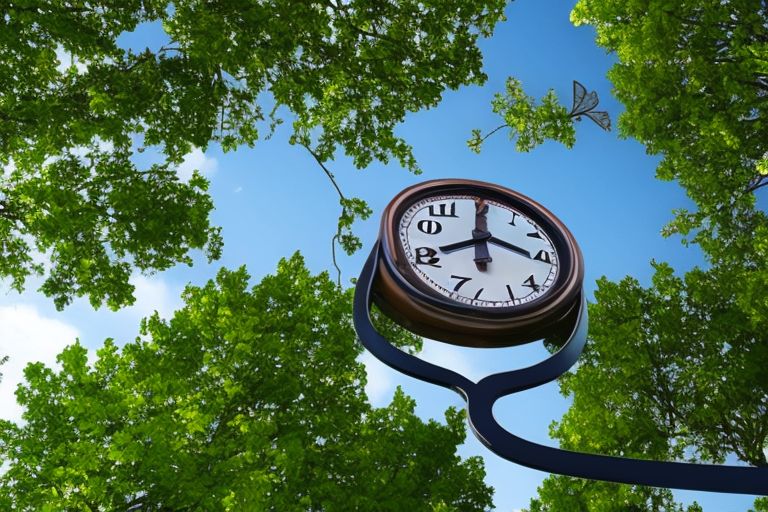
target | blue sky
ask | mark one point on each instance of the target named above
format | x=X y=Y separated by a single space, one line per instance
x=604 y=190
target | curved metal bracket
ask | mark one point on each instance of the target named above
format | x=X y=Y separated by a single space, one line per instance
x=481 y=396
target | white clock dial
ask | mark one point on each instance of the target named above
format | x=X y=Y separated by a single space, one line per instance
x=436 y=234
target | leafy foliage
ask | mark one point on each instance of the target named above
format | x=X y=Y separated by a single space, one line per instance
x=76 y=108
x=672 y=371
x=694 y=81
x=532 y=124
x=689 y=358
x=244 y=400
x=573 y=494
x=675 y=370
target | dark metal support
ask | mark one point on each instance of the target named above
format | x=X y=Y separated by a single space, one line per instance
x=482 y=395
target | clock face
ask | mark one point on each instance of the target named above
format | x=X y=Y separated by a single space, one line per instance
x=476 y=264
x=478 y=252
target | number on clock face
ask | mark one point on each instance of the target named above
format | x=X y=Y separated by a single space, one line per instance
x=436 y=234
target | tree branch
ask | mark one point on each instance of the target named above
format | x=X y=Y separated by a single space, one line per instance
x=494 y=131
x=336 y=237
x=341 y=13
x=334 y=240
x=757 y=183
x=325 y=169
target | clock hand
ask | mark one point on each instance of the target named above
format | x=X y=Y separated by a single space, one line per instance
x=482 y=236
x=509 y=246
x=482 y=256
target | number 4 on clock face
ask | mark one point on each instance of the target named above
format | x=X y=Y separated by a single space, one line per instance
x=478 y=251
x=462 y=252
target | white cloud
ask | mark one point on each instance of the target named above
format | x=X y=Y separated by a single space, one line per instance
x=153 y=294
x=380 y=385
x=196 y=160
x=26 y=337
x=451 y=357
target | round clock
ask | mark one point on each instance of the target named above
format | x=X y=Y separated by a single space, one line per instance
x=476 y=264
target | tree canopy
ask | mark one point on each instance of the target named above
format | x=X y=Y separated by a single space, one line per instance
x=675 y=370
x=247 y=399
x=76 y=108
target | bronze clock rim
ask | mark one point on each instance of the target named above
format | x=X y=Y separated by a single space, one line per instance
x=401 y=294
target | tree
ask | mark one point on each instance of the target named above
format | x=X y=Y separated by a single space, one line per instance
x=671 y=371
x=577 y=495
x=675 y=370
x=76 y=109
x=694 y=83
x=244 y=400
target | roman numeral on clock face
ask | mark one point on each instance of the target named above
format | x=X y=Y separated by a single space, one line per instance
x=543 y=256
x=426 y=256
x=531 y=283
x=442 y=210
x=430 y=227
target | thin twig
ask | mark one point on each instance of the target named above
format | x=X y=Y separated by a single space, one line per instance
x=333 y=255
x=493 y=131
x=335 y=238
x=327 y=172
x=757 y=183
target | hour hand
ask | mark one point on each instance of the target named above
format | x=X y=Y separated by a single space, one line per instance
x=509 y=246
x=464 y=243
x=482 y=256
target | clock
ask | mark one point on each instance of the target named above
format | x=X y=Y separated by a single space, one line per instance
x=477 y=264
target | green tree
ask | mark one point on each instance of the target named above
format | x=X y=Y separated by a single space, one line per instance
x=531 y=124
x=671 y=371
x=244 y=400
x=693 y=78
x=675 y=370
x=560 y=493
x=343 y=73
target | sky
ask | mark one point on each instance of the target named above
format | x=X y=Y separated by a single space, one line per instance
x=603 y=189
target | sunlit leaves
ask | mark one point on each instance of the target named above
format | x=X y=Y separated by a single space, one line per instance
x=343 y=74
x=247 y=399
x=693 y=80
x=530 y=123
x=351 y=209
x=675 y=370
x=671 y=371
x=96 y=217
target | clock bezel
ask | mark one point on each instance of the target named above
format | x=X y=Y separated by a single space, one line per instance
x=402 y=294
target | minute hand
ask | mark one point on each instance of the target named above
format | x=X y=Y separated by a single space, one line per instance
x=509 y=246
x=465 y=243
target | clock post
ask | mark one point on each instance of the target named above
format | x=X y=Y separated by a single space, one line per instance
x=479 y=265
